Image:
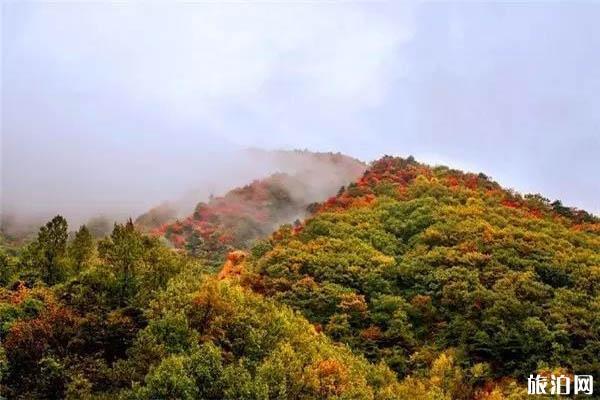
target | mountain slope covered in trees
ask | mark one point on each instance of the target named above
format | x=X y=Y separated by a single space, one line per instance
x=244 y=214
x=413 y=262
x=129 y=318
x=413 y=282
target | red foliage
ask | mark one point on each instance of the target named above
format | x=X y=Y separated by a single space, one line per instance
x=28 y=339
x=471 y=181
x=452 y=181
x=511 y=203
x=225 y=238
x=239 y=215
x=534 y=213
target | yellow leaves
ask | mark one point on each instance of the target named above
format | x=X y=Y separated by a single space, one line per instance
x=383 y=260
x=474 y=206
x=433 y=236
x=417 y=389
x=502 y=389
x=423 y=305
x=440 y=367
x=118 y=318
x=487 y=235
x=444 y=382
x=480 y=370
x=556 y=371
x=308 y=282
x=209 y=305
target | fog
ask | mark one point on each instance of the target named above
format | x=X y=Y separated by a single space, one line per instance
x=171 y=183
x=113 y=108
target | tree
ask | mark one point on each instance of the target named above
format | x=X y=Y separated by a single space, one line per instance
x=123 y=250
x=51 y=246
x=6 y=267
x=82 y=248
x=195 y=245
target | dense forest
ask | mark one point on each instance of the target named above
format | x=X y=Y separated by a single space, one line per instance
x=413 y=282
x=236 y=219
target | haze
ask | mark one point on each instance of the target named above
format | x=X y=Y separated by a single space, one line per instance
x=115 y=108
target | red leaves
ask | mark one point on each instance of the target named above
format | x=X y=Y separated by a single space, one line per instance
x=242 y=212
x=28 y=339
x=471 y=181
x=452 y=181
x=226 y=238
x=511 y=203
x=177 y=240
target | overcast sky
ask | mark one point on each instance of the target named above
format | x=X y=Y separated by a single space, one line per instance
x=124 y=105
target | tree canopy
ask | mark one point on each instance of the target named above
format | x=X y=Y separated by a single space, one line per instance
x=413 y=282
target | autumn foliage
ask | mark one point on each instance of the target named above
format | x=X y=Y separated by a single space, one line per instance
x=412 y=282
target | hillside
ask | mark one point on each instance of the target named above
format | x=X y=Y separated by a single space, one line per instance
x=128 y=318
x=253 y=211
x=413 y=282
x=414 y=264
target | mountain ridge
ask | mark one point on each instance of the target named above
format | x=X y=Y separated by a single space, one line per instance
x=249 y=212
x=412 y=282
x=411 y=263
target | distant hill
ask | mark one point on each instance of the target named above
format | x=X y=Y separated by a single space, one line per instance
x=156 y=217
x=247 y=213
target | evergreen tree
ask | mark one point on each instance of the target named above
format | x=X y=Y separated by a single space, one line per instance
x=6 y=268
x=82 y=248
x=123 y=250
x=51 y=246
x=195 y=245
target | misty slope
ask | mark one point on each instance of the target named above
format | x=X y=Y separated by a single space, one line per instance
x=244 y=214
x=427 y=268
x=460 y=287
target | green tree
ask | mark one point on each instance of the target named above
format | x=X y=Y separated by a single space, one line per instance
x=6 y=267
x=195 y=246
x=82 y=248
x=123 y=251
x=50 y=248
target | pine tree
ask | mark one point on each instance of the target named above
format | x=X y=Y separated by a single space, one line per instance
x=82 y=248
x=124 y=250
x=51 y=246
x=195 y=245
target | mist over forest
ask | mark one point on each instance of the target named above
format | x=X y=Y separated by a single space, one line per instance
x=101 y=205
x=299 y=200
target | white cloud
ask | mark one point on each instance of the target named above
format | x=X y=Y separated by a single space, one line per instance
x=198 y=59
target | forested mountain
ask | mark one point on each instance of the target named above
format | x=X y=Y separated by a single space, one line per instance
x=413 y=282
x=244 y=214
x=426 y=268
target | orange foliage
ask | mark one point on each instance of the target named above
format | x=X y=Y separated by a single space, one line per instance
x=19 y=294
x=234 y=265
x=371 y=333
x=511 y=203
x=332 y=378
